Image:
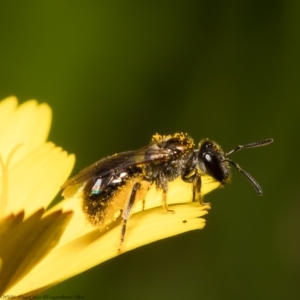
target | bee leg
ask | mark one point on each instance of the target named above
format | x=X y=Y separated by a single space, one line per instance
x=163 y=183
x=126 y=214
x=143 y=204
x=197 y=184
x=165 y=204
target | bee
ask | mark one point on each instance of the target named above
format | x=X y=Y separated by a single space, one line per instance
x=110 y=187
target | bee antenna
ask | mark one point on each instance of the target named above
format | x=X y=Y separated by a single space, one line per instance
x=247 y=175
x=250 y=145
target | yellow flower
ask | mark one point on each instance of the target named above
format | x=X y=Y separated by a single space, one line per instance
x=39 y=249
x=31 y=173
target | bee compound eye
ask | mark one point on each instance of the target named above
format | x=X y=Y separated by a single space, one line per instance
x=213 y=166
x=210 y=162
x=208 y=158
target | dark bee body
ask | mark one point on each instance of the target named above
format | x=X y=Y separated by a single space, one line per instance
x=111 y=186
x=104 y=182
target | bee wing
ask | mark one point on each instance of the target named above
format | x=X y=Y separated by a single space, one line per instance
x=116 y=163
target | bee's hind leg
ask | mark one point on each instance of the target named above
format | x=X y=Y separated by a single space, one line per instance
x=126 y=214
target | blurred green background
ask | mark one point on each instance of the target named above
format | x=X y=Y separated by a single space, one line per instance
x=116 y=72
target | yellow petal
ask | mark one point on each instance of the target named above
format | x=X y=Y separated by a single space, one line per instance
x=7 y=108
x=34 y=181
x=179 y=192
x=27 y=124
x=25 y=243
x=96 y=247
x=92 y=247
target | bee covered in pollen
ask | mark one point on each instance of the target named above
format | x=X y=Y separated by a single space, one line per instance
x=112 y=186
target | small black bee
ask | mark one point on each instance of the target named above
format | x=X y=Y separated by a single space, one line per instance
x=111 y=186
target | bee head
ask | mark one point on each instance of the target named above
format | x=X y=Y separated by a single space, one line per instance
x=214 y=162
